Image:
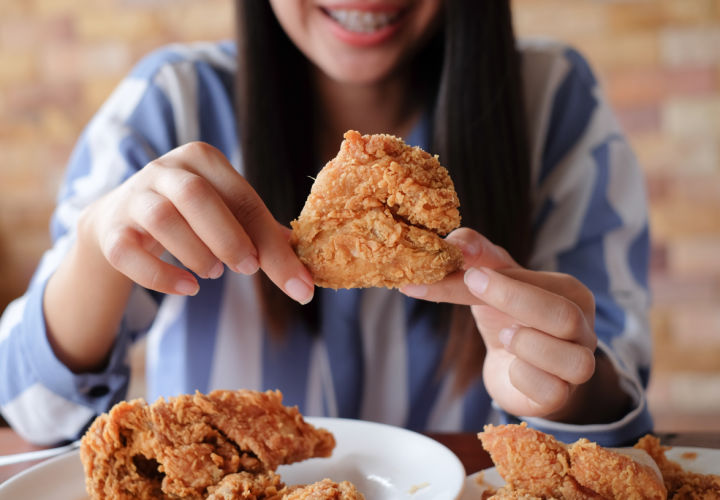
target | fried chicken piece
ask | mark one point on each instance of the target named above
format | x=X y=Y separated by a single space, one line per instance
x=531 y=462
x=326 y=489
x=612 y=474
x=248 y=486
x=180 y=447
x=375 y=216
x=680 y=484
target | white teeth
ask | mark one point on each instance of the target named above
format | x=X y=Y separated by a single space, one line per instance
x=362 y=21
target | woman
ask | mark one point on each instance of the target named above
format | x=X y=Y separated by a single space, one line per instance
x=555 y=236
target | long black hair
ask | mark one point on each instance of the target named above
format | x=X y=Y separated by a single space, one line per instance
x=471 y=69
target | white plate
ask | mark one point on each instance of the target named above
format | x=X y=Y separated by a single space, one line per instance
x=384 y=462
x=701 y=460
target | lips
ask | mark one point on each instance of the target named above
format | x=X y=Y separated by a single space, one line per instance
x=359 y=21
x=363 y=24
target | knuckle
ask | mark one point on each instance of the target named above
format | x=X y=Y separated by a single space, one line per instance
x=556 y=394
x=158 y=215
x=503 y=296
x=156 y=281
x=116 y=246
x=570 y=319
x=201 y=152
x=583 y=366
x=191 y=188
x=249 y=209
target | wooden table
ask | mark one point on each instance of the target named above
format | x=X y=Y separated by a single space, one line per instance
x=465 y=445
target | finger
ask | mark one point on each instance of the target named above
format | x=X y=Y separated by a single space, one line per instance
x=546 y=390
x=209 y=217
x=478 y=250
x=124 y=252
x=531 y=305
x=451 y=289
x=489 y=322
x=570 y=362
x=160 y=219
x=275 y=255
x=562 y=284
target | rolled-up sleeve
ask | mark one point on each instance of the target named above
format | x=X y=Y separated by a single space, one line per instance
x=591 y=221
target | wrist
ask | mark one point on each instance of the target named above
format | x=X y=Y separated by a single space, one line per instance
x=600 y=400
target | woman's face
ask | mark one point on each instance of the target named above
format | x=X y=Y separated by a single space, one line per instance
x=358 y=41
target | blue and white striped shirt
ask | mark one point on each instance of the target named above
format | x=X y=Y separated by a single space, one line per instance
x=372 y=358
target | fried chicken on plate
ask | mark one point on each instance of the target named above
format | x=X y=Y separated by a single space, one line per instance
x=681 y=484
x=186 y=446
x=376 y=215
x=536 y=465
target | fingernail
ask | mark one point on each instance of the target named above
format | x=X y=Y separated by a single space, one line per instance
x=249 y=265
x=216 y=271
x=476 y=280
x=415 y=290
x=506 y=335
x=298 y=290
x=186 y=287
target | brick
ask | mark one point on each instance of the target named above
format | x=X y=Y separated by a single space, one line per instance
x=60 y=62
x=95 y=92
x=33 y=96
x=559 y=18
x=59 y=125
x=207 y=23
x=690 y=46
x=645 y=86
x=702 y=188
x=697 y=323
x=669 y=357
x=632 y=16
x=696 y=255
x=98 y=24
x=9 y=9
x=687 y=11
x=110 y=59
x=675 y=219
x=692 y=117
x=653 y=149
x=695 y=392
x=639 y=119
x=675 y=292
x=624 y=50
x=16 y=66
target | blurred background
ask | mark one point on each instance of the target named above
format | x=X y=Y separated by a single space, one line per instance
x=658 y=60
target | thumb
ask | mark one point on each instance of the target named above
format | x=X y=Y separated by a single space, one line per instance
x=478 y=251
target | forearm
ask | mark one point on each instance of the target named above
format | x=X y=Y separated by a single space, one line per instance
x=83 y=304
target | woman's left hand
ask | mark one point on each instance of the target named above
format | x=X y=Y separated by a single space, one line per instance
x=537 y=326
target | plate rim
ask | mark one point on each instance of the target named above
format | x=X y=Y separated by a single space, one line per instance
x=73 y=457
x=470 y=481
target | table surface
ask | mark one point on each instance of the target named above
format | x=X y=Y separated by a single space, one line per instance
x=465 y=445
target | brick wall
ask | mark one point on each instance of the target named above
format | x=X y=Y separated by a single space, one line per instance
x=659 y=61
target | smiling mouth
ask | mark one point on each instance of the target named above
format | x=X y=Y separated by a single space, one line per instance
x=362 y=21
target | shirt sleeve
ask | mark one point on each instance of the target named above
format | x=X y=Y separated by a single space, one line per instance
x=43 y=400
x=590 y=221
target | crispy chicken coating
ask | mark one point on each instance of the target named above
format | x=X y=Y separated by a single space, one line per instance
x=536 y=465
x=375 y=216
x=612 y=474
x=531 y=462
x=326 y=489
x=180 y=447
x=680 y=484
x=247 y=486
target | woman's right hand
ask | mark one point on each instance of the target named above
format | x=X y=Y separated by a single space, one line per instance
x=192 y=203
